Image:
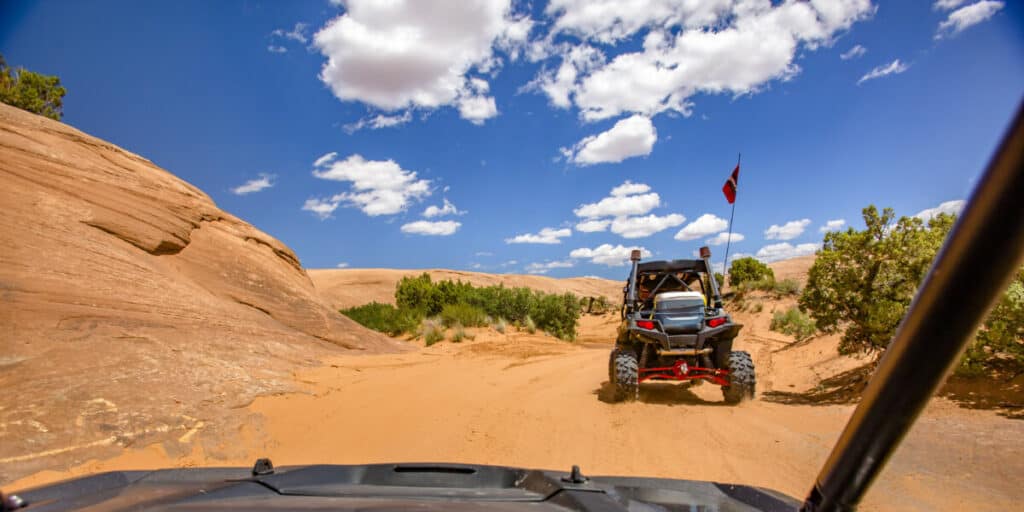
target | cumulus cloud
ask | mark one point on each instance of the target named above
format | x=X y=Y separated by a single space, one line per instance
x=787 y=231
x=856 y=52
x=785 y=250
x=722 y=238
x=607 y=254
x=592 y=226
x=833 y=225
x=433 y=228
x=945 y=5
x=255 y=185
x=966 y=17
x=624 y=201
x=483 y=253
x=544 y=268
x=546 y=236
x=322 y=208
x=378 y=187
x=273 y=48
x=640 y=227
x=686 y=48
x=342 y=265
x=379 y=121
x=447 y=208
x=419 y=53
x=949 y=207
x=630 y=137
x=893 y=68
x=705 y=225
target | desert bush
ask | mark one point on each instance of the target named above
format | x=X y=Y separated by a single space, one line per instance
x=431 y=330
x=31 y=91
x=459 y=333
x=862 y=281
x=787 y=287
x=499 y=325
x=1000 y=342
x=720 y=279
x=758 y=307
x=463 y=314
x=554 y=313
x=793 y=322
x=383 y=318
x=749 y=269
x=529 y=325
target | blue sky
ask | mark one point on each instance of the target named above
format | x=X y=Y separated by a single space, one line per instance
x=528 y=116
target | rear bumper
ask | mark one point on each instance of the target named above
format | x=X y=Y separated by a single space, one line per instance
x=669 y=341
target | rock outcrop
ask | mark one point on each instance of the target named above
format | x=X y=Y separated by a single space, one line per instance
x=132 y=309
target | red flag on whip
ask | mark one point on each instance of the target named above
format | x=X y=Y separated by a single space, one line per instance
x=729 y=189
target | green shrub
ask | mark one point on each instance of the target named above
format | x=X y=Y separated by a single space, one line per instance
x=749 y=269
x=500 y=325
x=720 y=279
x=758 y=307
x=765 y=284
x=787 y=287
x=464 y=314
x=529 y=325
x=383 y=318
x=554 y=313
x=795 y=323
x=31 y=91
x=432 y=331
x=458 y=333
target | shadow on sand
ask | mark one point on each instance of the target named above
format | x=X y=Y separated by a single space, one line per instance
x=659 y=394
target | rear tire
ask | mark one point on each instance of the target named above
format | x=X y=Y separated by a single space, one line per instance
x=625 y=375
x=741 y=378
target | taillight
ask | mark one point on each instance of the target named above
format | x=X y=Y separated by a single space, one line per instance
x=715 y=322
x=645 y=324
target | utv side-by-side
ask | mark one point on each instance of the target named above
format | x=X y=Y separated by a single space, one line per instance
x=671 y=332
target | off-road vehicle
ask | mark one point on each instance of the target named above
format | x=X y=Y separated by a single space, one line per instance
x=671 y=332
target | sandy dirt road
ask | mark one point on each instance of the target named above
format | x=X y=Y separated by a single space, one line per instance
x=530 y=401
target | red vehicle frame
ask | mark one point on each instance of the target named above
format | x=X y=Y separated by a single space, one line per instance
x=680 y=371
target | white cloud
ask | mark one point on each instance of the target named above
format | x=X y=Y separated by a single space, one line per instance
x=435 y=228
x=379 y=121
x=276 y=49
x=950 y=207
x=342 y=265
x=620 y=204
x=630 y=137
x=640 y=227
x=687 y=48
x=945 y=5
x=722 y=238
x=607 y=254
x=592 y=226
x=628 y=188
x=322 y=208
x=483 y=253
x=325 y=159
x=784 y=251
x=544 y=268
x=419 y=53
x=447 y=209
x=832 y=225
x=546 y=236
x=787 y=231
x=297 y=33
x=379 y=187
x=705 y=225
x=966 y=17
x=856 y=52
x=893 y=68
x=264 y=181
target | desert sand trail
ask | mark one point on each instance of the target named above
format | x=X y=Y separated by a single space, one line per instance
x=528 y=400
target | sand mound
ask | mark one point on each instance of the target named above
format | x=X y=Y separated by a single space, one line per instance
x=344 y=288
x=133 y=308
